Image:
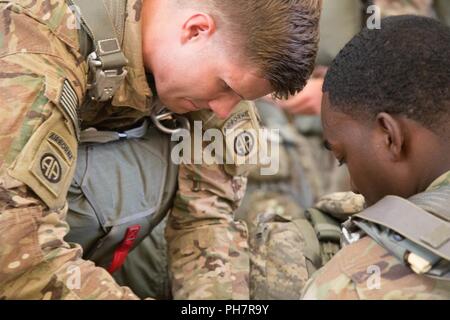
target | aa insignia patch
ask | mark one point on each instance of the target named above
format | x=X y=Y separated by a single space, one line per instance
x=51 y=168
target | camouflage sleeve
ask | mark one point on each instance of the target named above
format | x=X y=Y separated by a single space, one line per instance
x=330 y=283
x=208 y=250
x=37 y=157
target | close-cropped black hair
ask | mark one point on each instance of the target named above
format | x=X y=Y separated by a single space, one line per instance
x=402 y=68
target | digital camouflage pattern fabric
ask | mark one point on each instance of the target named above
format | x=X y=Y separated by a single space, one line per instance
x=365 y=270
x=40 y=64
x=208 y=250
x=341 y=205
x=279 y=266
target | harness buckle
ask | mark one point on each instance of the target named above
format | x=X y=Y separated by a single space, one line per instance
x=350 y=233
x=103 y=83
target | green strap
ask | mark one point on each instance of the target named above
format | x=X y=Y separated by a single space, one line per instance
x=117 y=12
x=412 y=222
x=327 y=229
x=312 y=247
x=107 y=62
x=103 y=32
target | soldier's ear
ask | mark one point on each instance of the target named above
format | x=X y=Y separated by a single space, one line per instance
x=198 y=26
x=393 y=135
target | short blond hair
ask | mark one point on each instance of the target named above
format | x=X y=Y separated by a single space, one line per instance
x=280 y=37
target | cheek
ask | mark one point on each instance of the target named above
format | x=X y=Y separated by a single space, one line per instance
x=197 y=79
x=365 y=175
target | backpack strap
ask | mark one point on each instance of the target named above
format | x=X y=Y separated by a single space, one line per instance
x=415 y=236
x=436 y=202
x=107 y=62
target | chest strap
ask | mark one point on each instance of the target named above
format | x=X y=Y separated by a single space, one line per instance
x=92 y=135
x=107 y=62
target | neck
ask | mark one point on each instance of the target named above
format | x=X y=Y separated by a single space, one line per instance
x=434 y=155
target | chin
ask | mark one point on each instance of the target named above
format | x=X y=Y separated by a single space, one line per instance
x=371 y=200
x=171 y=105
x=176 y=109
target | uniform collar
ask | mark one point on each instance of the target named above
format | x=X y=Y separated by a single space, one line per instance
x=441 y=181
x=134 y=91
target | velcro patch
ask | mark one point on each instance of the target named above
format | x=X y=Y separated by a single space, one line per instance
x=69 y=102
x=241 y=133
x=244 y=143
x=50 y=169
x=59 y=142
x=47 y=163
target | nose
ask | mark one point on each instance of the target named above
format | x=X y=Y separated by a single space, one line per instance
x=223 y=106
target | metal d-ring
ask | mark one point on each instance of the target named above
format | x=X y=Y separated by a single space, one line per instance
x=166 y=115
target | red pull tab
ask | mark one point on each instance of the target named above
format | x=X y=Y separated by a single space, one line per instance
x=121 y=253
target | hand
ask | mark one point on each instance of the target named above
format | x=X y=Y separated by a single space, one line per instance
x=341 y=205
x=307 y=102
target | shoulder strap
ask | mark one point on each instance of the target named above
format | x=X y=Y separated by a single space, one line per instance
x=117 y=12
x=107 y=62
x=412 y=222
x=417 y=237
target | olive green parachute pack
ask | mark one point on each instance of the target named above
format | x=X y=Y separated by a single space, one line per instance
x=416 y=231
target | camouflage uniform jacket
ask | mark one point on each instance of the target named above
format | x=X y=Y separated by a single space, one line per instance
x=352 y=274
x=40 y=67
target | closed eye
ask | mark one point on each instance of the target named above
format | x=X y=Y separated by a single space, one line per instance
x=327 y=145
x=227 y=88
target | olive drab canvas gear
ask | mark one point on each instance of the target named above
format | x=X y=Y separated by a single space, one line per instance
x=146 y=269
x=404 y=246
x=107 y=63
x=423 y=245
x=113 y=191
x=46 y=90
